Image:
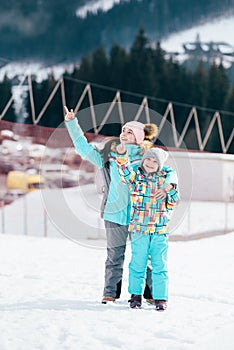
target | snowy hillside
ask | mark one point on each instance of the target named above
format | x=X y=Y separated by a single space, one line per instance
x=51 y=290
x=94 y=6
x=219 y=30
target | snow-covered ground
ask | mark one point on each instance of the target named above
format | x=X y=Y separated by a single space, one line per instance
x=51 y=287
x=51 y=290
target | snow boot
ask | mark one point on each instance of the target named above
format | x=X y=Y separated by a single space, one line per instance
x=161 y=305
x=135 y=301
x=107 y=298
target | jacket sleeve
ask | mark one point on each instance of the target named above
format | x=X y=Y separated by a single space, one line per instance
x=172 y=199
x=82 y=147
x=171 y=176
x=126 y=172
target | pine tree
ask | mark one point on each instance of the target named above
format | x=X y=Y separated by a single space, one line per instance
x=140 y=66
x=100 y=67
x=218 y=87
x=198 y=95
x=159 y=69
x=100 y=75
x=117 y=66
x=6 y=94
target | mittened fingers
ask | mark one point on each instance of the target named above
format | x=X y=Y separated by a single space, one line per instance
x=160 y=194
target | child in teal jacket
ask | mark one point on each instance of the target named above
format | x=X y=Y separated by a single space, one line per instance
x=148 y=223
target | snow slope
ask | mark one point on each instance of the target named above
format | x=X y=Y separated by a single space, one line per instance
x=93 y=6
x=51 y=289
x=221 y=29
x=216 y=30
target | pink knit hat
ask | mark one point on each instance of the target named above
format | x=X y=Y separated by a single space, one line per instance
x=137 y=129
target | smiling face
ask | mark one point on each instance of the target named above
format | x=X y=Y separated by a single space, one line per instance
x=127 y=135
x=150 y=165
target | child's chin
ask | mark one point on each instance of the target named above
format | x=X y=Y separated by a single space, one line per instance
x=150 y=171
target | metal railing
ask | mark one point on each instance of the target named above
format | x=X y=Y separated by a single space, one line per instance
x=169 y=113
x=193 y=221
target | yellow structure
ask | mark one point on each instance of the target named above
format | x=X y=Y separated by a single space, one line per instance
x=19 y=180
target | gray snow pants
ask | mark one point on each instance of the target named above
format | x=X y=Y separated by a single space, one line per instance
x=116 y=245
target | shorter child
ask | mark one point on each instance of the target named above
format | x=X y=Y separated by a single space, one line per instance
x=148 y=223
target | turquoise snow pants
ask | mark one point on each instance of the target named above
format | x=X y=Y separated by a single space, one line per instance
x=142 y=246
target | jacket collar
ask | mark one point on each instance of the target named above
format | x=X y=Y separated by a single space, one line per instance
x=133 y=150
x=151 y=175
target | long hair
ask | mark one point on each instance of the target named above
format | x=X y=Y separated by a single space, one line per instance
x=109 y=145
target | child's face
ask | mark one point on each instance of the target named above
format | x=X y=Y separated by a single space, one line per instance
x=127 y=136
x=150 y=165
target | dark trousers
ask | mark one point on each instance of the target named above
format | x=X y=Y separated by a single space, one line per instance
x=116 y=245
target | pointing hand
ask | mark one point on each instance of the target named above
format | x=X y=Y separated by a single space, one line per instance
x=69 y=115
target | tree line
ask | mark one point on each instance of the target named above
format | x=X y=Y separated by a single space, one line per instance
x=142 y=70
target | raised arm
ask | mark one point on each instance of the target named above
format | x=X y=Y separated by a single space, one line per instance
x=83 y=148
